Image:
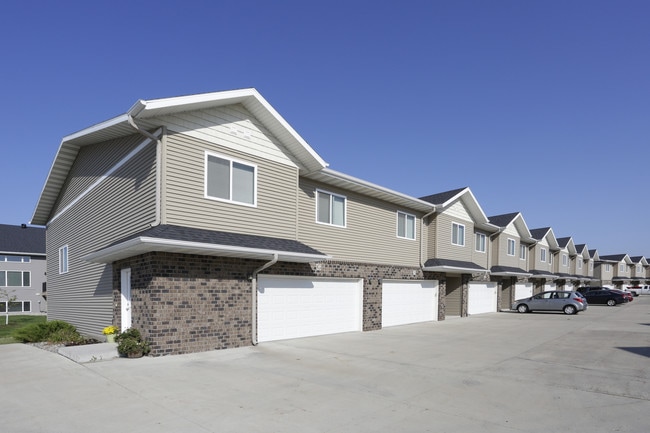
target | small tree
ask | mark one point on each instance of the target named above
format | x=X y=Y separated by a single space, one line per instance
x=7 y=297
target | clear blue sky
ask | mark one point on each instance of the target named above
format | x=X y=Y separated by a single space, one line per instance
x=541 y=107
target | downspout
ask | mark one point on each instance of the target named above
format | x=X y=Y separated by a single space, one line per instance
x=425 y=216
x=158 y=141
x=254 y=297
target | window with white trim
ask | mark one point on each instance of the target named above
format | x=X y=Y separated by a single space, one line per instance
x=230 y=180
x=480 y=242
x=15 y=259
x=550 y=258
x=63 y=259
x=591 y=265
x=16 y=306
x=522 y=251
x=405 y=225
x=511 y=247
x=607 y=269
x=458 y=234
x=621 y=268
x=638 y=269
x=15 y=278
x=542 y=255
x=579 y=264
x=565 y=260
x=330 y=208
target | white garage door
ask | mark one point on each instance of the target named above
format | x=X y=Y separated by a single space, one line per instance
x=550 y=286
x=523 y=290
x=482 y=298
x=569 y=287
x=408 y=302
x=303 y=307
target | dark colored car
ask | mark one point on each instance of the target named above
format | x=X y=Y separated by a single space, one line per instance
x=626 y=295
x=604 y=297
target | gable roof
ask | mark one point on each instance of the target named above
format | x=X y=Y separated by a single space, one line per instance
x=515 y=218
x=146 y=112
x=22 y=240
x=187 y=240
x=445 y=199
x=568 y=244
x=616 y=258
x=545 y=232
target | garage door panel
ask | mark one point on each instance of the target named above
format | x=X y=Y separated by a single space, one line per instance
x=299 y=307
x=408 y=301
x=523 y=290
x=482 y=298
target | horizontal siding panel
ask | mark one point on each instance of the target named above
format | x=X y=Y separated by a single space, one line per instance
x=121 y=205
x=275 y=214
x=370 y=234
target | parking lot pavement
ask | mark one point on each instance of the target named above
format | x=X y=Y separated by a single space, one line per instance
x=498 y=372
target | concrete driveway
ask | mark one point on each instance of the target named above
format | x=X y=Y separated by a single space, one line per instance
x=500 y=372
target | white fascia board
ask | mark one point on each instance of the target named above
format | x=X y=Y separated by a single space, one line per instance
x=452 y=269
x=417 y=203
x=511 y=274
x=144 y=244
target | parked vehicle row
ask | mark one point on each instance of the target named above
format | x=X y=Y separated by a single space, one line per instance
x=571 y=302
x=639 y=290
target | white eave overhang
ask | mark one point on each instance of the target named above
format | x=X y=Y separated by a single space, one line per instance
x=454 y=269
x=143 y=244
x=350 y=183
x=511 y=274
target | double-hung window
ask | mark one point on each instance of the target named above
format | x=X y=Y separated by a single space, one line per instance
x=480 y=242
x=230 y=180
x=458 y=234
x=63 y=259
x=579 y=263
x=565 y=260
x=522 y=251
x=511 y=247
x=542 y=255
x=330 y=208
x=405 y=225
x=621 y=268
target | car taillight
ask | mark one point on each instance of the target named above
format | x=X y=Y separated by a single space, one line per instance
x=579 y=300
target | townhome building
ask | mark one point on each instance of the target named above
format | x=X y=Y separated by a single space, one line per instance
x=565 y=264
x=207 y=222
x=639 y=274
x=509 y=258
x=458 y=249
x=584 y=266
x=22 y=270
x=542 y=258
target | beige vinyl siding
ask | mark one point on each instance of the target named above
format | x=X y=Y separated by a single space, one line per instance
x=186 y=204
x=370 y=234
x=232 y=127
x=534 y=260
x=502 y=257
x=122 y=204
x=444 y=249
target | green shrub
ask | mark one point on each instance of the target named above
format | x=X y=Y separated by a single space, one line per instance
x=56 y=331
x=130 y=343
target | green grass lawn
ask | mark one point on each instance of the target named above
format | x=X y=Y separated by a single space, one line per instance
x=16 y=322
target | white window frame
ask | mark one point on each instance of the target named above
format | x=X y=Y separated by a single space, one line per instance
x=18 y=259
x=481 y=244
x=4 y=306
x=231 y=161
x=542 y=255
x=406 y=217
x=550 y=258
x=591 y=265
x=523 y=251
x=565 y=260
x=621 y=268
x=607 y=269
x=5 y=274
x=64 y=259
x=331 y=208
x=511 y=247
x=579 y=264
x=458 y=234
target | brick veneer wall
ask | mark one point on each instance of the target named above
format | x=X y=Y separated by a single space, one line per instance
x=191 y=303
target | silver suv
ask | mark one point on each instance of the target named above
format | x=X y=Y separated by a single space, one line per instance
x=568 y=302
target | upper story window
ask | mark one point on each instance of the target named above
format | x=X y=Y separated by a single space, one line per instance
x=330 y=208
x=607 y=269
x=511 y=247
x=522 y=251
x=565 y=260
x=638 y=269
x=15 y=279
x=480 y=242
x=458 y=234
x=591 y=265
x=15 y=259
x=230 y=180
x=550 y=258
x=542 y=255
x=405 y=225
x=621 y=268
x=579 y=262
x=63 y=259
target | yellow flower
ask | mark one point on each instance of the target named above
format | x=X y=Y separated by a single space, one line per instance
x=110 y=330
